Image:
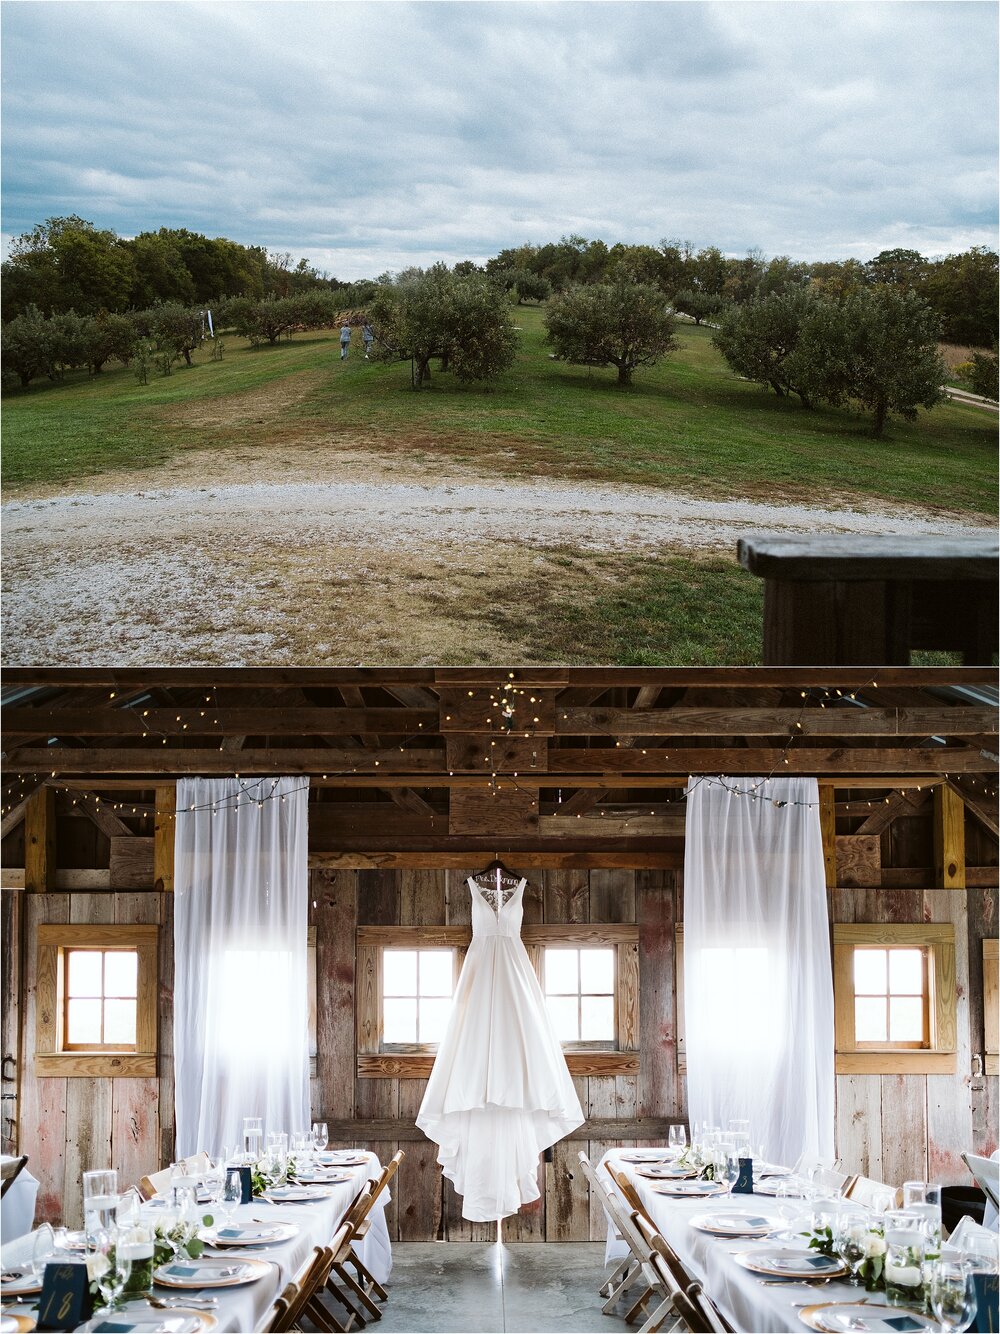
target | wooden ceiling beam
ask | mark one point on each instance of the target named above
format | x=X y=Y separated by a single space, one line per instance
x=611 y=782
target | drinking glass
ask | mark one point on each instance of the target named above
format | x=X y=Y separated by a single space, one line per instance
x=677 y=1138
x=921 y=1192
x=232 y=1193
x=116 y=1268
x=953 y=1295
x=731 y=1168
x=320 y=1136
x=788 y=1200
x=43 y=1251
x=851 y=1239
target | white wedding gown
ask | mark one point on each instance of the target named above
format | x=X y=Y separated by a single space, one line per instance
x=500 y=1091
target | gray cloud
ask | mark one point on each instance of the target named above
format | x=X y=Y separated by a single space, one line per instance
x=373 y=135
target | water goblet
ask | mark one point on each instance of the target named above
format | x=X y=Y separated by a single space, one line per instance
x=677 y=1139
x=788 y=1200
x=731 y=1168
x=953 y=1295
x=851 y=1239
x=114 y=1267
x=232 y=1193
x=43 y=1251
x=320 y=1135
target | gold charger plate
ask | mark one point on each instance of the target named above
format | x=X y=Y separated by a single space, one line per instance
x=654 y=1173
x=278 y=1233
x=21 y=1323
x=250 y=1272
x=208 y=1321
x=305 y=1195
x=755 y=1262
x=811 y=1315
x=24 y=1286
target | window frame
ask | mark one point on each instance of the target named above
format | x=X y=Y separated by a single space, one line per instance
x=991 y=1005
x=375 y=1061
x=414 y=1048
x=939 y=1056
x=53 y=1058
x=584 y=1044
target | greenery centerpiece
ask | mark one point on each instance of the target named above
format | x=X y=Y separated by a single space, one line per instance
x=862 y=1248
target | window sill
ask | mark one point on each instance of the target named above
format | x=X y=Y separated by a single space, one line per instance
x=95 y=1065
x=389 y=1065
x=896 y=1062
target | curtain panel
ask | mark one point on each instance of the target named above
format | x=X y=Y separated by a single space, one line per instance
x=758 y=985
x=240 y=959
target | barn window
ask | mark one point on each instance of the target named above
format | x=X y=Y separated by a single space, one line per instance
x=894 y=997
x=96 y=1001
x=417 y=987
x=579 y=986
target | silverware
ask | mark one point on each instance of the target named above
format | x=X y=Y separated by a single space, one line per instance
x=167 y=1302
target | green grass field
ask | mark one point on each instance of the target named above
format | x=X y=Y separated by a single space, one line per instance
x=687 y=424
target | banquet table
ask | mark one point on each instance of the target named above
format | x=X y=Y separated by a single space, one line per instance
x=17 y=1209
x=247 y=1307
x=741 y=1295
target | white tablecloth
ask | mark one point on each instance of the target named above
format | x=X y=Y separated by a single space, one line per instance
x=246 y=1307
x=738 y=1293
x=17 y=1208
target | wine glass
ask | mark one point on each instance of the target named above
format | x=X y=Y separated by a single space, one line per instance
x=731 y=1167
x=320 y=1135
x=115 y=1268
x=232 y=1194
x=953 y=1295
x=787 y=1200
x=677 y=1138
x=43 y=1251
x=851 y=1239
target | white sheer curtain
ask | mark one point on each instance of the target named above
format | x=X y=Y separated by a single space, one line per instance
x=240 y=950
x=758 y=986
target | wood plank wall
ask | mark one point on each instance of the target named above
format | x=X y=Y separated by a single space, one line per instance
x=892 y=1127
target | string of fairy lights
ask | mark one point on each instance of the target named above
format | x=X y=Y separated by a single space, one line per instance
x=510 y=713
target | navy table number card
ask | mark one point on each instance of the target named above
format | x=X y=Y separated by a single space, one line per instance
x=987 y=1318
x=744 y=1182
x=246 y=1180
x=66 y=1300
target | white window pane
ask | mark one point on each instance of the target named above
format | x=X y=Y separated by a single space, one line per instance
x=597 y=1018
x=870 y=1020
x=83 y=1021
x=869 y=972
x=399 y=973
x=399 y=1020
x=121 y=968
x=437 y=973
x=597 y=971
x=433 y=1018
x=84 y=974
x=906 y=1019
x=906 y=972
x=565 y=1016
x=561 y=972
x=119 y=1021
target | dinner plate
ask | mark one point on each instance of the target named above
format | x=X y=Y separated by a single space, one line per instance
x=295 y=1194
x=344 y=1158
x=667 y=1173
x=732 y=1224
x=689 y=1189
x=862 y=1318
x=22 y=1285
x=647 y=1155
x=210 y=1273
x=769 y=1186
x=144 y=1320
x=781 y=1263
x=254 y=1234
x=16 y=1322
x=322 y=1178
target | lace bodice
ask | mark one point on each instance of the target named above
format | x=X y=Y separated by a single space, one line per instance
x=487 y=921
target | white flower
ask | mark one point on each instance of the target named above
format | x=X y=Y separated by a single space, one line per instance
x=875 y=1246
x=97 y=1264
x=904 y=1276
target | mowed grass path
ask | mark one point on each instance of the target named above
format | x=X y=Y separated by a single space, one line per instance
x=687 y=424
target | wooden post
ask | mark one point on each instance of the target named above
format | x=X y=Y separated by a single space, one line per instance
x=40 y=841
x=164 y=828
x=949 y=838
x=828 y=829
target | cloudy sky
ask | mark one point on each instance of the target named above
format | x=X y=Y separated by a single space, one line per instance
x=368 y=136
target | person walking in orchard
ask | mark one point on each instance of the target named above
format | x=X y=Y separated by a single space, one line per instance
x=345 y=341
x=368 y=336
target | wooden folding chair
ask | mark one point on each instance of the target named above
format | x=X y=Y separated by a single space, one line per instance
x=627 y=1269
x=863 y=1190
x=700 y=1313
x=307 y=1287
x=279 y=1311
x=154 y=1183
x=353 y=1294
x=833 y=1180
x=10 y=1171
x=645 y=1271
x=197 y=1165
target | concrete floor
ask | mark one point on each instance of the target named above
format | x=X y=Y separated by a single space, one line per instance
x=521 y=1288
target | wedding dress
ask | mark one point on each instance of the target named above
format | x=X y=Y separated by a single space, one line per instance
x=500 y=1091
